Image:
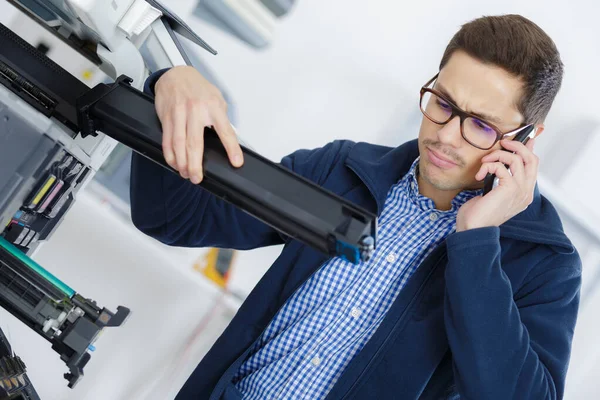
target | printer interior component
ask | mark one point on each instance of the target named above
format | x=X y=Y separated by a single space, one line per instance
x=14 y=382
x=23 y=156
x=38 y=80
x=37 y=179
x=70 y=322
x=40 y=175
x=59 y=20
x=12 y=377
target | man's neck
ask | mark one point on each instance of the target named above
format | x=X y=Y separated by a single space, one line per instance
x=441 y=198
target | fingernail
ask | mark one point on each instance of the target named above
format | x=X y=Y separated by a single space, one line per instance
x=195 y=179
x=237 y=160
x=169 y=158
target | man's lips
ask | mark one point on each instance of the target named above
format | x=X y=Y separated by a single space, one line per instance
x=439 y=160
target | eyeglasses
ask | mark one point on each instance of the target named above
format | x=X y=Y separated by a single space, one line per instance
x=474 y=130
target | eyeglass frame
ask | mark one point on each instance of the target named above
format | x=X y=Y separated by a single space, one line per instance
x=462 y=115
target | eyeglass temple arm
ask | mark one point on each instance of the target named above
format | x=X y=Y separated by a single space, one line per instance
x=528 y=130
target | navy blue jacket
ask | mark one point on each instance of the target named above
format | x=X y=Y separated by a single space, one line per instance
x=489 y=314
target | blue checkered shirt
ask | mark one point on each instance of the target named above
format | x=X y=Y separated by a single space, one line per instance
x=331 y=317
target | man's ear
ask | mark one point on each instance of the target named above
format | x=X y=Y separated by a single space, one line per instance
x=539 y=128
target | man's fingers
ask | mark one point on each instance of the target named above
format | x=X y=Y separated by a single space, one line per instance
x=529 y=158
x=179 y=139
x=186 y=103
x=514 y=161
x=166 y=122
x=496 y=168
x=195 y=146
x=229 y=140
x=167 y=141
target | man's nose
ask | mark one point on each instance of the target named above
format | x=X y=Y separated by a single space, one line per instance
x=449 y=133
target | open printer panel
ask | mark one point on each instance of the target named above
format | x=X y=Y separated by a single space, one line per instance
x=41 y=167
x=39 y=178
x=41 y=172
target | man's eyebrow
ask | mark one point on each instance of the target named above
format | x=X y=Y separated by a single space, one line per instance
x=483 y=116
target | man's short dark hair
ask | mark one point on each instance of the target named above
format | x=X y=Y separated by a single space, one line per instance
x=520 y=47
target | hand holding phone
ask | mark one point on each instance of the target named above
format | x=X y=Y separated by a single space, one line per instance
x=523 y=136
x=515 y=188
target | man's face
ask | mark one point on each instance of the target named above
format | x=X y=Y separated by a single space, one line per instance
x=477 y=88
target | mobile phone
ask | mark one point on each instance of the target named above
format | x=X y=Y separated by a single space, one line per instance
x=523 y=136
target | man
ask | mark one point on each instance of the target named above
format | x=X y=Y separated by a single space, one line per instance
x=466 y=296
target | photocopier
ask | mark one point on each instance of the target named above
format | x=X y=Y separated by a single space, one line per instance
x=56 y=132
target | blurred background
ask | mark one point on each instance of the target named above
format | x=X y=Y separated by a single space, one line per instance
x=298 y=74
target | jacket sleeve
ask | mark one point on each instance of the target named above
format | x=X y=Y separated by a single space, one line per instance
x=179 y=213
x=506 y=347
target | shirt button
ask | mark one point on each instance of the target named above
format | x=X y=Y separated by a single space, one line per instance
x=355 y=312
x=391 y=257
x=433 y=217
x=316 y=361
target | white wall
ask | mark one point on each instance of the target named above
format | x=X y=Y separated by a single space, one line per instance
x=349 y=68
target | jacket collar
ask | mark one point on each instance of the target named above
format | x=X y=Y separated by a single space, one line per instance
x=380 y=167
